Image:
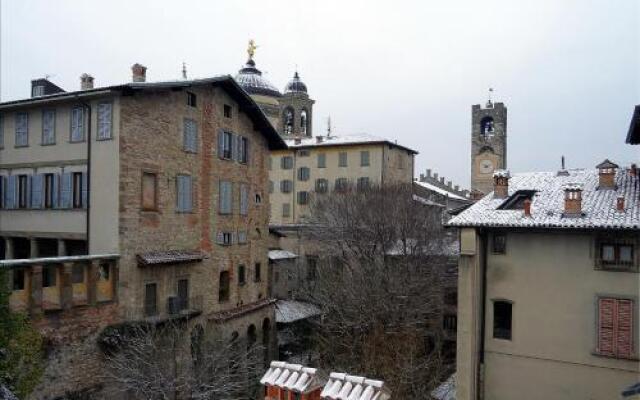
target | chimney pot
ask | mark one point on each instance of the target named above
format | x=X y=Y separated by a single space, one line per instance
x=139 y=73
x=620 y=203
x=573 y=199
x=86 y=82
x=527 y=207
x=501 y=183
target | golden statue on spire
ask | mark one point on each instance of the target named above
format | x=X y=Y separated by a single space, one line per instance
x=251 y=50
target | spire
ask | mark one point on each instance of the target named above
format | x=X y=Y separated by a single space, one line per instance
x=184 y=70
x=489 y=102
x=329 y=126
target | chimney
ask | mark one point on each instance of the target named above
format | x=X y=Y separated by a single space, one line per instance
x=449 y=184
x=435 y=176
x=501 y=183
x=620 y=203
x=86 y=82
x=297 y=140
x=139 y=73
x=429 y=173
x=633 y=171
x=527 y=207
x=442 y=180
x=456 y=188
x=607 y=175
x=421 y=177
x=319 y=139
x=573 y=199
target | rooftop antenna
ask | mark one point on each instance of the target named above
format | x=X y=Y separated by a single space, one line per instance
x=329 y=126
x=47 y=76
x=489 y=103
x=562 y=161
x=184 y=70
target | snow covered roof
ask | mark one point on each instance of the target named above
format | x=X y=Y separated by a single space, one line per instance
x=342 y=386
x=288 y=311
x=345 y=140
x=446 y=390
x=443 y=192
x=547 y=206
x=281 y=255
x=293 y=377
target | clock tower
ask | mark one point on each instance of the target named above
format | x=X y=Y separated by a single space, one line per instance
x=488 y=145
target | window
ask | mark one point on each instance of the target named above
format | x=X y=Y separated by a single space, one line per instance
x=312 y=268
x=288 y=121
x=303 y=122
x=303 y=198
x=227 y=111
x=77 y=273
x=149 y=191
x=364 y=158
x=303 y=173
x=49 y=275
x=191 y=99
x=342 y=159
x=183 y=294
x=18 y=279
x=615 y=327
x=450 y=322
x=104 y=272
x=243 y=150
x=150 y=299
x=223 y=288
x=257 y=276
x=286 y=210
x=363 y=183
x=486 y=126
x=286 y=162
x=226 y=197
x=23 y=190
x=225 y=238
x=37 y=90
x=225 y=145
x=241 y=275
x=242 y=237
x=22 y=129
x=190 y=136
x=286 y=186
x=499 y=243
x=258 y=198
x=270 y=166
x=77 y=124
x=3 y=189
x=77 y=190
x=616 y=254
x=49 y=191
x=322 y=160
x=48 y=127
x=105 y=123
x=270 y=186
x=244 y=199
x=322 y=185
x=502 y=319
x=341 y=185
x=303 y=153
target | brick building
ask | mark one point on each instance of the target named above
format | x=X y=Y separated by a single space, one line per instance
x=135 y=202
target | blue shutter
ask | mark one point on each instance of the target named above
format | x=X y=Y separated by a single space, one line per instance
x=188 y=188
x=179 y=193
x=220 y=238
x=85 y=190
x=29 y=185
x=220 y=143
x=56 y=190
x=10 y=193
x=65 y=190
x=36 y=191
x=246 y=150
x=244 y=199
x=234 y=147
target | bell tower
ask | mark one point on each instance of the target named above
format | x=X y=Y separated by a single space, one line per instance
x=488 y=145
x=296 y=109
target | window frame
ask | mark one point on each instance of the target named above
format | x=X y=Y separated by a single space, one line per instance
x=496 y=331
x=322 y=185
x=633 y=355
x=192 y=99
x=22 y=192
x=76 y=189
x=153 y=175
x=242 y=275
x=150 y=310
x=224 y=286
x=48 y=190
x=286 y=162
x=48 y=140
x=304 y=174
x=21 y=133
x=189 y=135
x=100 y=123
x=287 y=207
x=343 y=159
x=617 y=241
x=227 y=111
x=322 y=160
x=82 y=125
x=302 y=197
x=365 y=158
x=499 y=246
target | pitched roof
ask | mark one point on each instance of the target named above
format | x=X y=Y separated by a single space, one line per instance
x=293 y=377
x=345 y=140
x=281 y=255
x=433 y=188
x=288 y=311
x=226 y=82
x=342 y=386
x=547 y=206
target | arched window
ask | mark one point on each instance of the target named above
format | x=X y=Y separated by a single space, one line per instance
x=486 y=126
x=252 y=336
x=288 y=121
x=266 y=340
x=303 y=122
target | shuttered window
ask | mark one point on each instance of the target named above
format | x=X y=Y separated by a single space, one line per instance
x=105 y=112
x=322 y=185
x=244 y=199
x=184 y=193
x=615 y=327
x=242 y=237
x=48 y=127
x=286 y=162
x=364 y=158
x=286 y=210
x=286 y=186
x=77 y=124
x=23 y=191
x=225 y=145
x=303 y=173
x=37 y=183
x=303 y=198
x=342 y=159
x=226 y=197
x=322 y=160
x=243 y=149
x=22 y=129
x=190 y=136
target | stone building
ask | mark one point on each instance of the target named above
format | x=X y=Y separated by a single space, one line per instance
x=135 y=202
x=488 y=145
x=548 y=286
x=434 y=188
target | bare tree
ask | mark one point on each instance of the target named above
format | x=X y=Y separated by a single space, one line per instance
x=161 y=361
x=380 y=286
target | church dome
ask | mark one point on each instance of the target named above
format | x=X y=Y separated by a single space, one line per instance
x=251 y=80
x=295 y=85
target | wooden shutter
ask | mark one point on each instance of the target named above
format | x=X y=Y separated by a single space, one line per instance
x=179 y=193
x=85 y=190
x=10 y=192
x=28 y=190
x=234 y=145
x=220 y=237
x=65 y=190
x=55 y=190
x=188 y=192
x=104 y=120
x=606 y=326
x=36 y=191
x=624 y=342
x=244 y=199
x=246 y=150
x=220 y=143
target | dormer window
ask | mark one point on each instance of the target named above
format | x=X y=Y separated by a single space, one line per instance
x=37 y=90
x=516 y=201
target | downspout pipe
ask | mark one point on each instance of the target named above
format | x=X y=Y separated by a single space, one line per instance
x=89 y=191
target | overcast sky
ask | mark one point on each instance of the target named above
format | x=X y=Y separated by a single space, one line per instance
x=568 y=71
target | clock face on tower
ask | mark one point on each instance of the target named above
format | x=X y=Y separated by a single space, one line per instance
x=486 y=166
